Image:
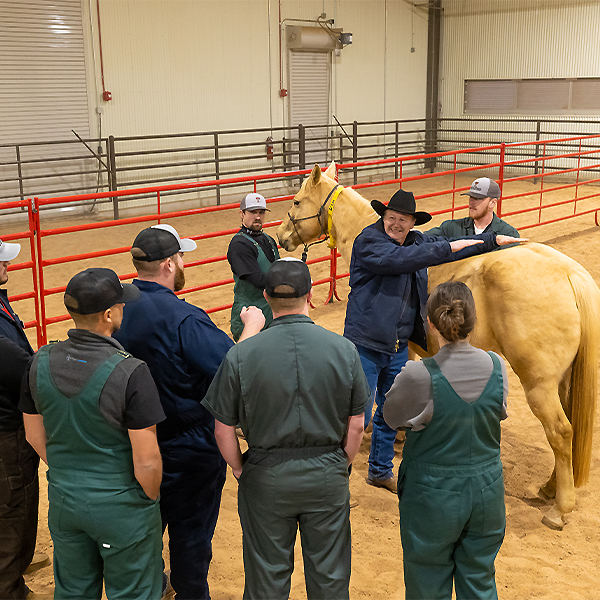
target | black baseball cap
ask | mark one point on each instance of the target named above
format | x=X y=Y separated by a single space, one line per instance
x=291 y=272
x=159 y=242
x=95 y=290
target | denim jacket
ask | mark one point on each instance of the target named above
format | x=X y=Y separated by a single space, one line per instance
x=379 y=315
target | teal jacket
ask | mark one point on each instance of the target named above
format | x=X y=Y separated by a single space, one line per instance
x=461 y=227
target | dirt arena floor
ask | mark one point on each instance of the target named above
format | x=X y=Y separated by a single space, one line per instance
x=534 y=561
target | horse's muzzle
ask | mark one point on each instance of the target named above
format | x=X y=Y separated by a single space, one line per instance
x=284 y=235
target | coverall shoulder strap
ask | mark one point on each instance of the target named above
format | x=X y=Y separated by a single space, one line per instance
x=241 y=233
x=431 y=366
x=496 y=361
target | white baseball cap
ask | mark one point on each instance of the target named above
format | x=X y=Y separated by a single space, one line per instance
x=254 y=201
x=185 y=244
x=8 y=251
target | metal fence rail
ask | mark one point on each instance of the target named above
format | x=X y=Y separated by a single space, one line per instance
x=535 y=204
x=77 y=166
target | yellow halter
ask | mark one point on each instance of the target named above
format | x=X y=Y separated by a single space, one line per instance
x=331 y=242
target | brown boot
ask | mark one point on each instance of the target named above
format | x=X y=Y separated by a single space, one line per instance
x=391 y=483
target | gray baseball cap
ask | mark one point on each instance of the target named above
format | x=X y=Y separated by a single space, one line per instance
x=484 y=187
x=254 y=201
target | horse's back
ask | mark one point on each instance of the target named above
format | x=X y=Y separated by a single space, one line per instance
x=527 y=308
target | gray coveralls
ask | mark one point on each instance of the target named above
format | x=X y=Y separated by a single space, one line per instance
x=451 y=494
x=292 y=389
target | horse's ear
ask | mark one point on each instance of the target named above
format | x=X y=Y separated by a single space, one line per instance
x=331 y=170
x=315 y=175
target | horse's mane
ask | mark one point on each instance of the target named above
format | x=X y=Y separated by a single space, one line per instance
x=351 y=215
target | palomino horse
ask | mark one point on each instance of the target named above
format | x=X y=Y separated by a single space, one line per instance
x=535 y=306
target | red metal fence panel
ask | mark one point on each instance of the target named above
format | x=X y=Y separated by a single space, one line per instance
x=570 y=178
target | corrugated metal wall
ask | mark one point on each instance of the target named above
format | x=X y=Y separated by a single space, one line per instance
x=512 y=39
x=189 y=65
x=179 y=66
x=182 y=66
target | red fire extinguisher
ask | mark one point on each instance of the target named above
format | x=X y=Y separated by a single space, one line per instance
x=269 y=148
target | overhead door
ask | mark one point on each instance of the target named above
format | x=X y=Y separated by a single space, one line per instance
x=43 y=96
x=310 y=81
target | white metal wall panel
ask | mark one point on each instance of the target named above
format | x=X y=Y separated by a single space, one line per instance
x=43 y=91
x=191 y=65
x=378 y=77
x=509 y=39
x=204 y=65
x=185 y=65
x=180 y=66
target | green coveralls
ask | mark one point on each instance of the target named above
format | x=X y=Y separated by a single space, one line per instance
x=102 y=523
x=456 y=228
x=451 y=490
x=291 y=389
x=245 y=294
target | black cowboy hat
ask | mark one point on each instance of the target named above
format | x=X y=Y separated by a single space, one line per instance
x=402 y=202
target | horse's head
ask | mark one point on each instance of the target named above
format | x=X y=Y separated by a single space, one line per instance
x=304 y=221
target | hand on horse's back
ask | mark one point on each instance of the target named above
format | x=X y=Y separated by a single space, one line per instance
x=501 y=240
x=504 y=240
x=457 y=245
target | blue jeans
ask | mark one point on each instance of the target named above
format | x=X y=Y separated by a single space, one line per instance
x=381 y=370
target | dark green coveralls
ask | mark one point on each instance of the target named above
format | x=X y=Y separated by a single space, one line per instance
x=451 y=490
x=245 y=294
x=292 y=389
x=102 y=523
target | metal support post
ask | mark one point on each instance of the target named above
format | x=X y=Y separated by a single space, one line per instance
x=217 y=167
x=112 y=174
x=355 y=149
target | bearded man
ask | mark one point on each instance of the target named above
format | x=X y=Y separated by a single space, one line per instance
x=183 y=349
x=484 y=195
x=250 y=254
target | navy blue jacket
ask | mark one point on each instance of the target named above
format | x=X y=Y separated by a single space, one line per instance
x=15 y=352
x=379 y=312
x=183 y=349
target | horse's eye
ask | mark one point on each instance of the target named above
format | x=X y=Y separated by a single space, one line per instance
x=296 y=202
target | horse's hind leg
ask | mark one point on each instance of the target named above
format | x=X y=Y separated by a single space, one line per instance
x=544 y=401
x=548 y=490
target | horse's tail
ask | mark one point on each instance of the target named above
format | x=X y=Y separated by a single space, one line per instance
x=581 y=406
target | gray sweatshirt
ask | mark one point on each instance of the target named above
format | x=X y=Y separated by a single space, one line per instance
x=409 y=403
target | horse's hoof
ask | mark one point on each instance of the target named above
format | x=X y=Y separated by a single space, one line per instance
x=555 y=523
x=544 y=495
